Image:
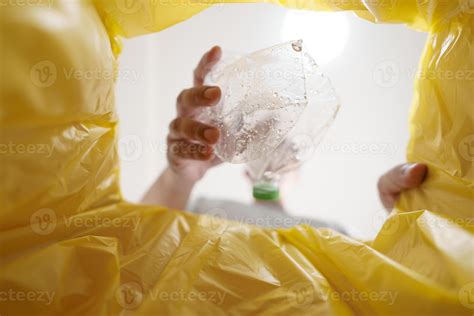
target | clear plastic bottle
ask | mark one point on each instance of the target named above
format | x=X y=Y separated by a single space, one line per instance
x=276 y=107
x=301 y=142
x=263 y=96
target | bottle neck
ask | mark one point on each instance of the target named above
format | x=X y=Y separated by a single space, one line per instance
x=266 y=192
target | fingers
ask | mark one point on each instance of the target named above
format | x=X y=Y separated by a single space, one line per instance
x=205 y=65
x=402 y=177
x=183 y=149
x=193 y=131
x=188 y=138
x=190 y=100
x=414 y=175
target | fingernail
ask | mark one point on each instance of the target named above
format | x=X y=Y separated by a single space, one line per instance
x=211 y=135
x=211 y=93
x=214 y=53
x=407 y=167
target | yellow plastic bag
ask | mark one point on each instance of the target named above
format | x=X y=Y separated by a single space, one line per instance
x=71 y=245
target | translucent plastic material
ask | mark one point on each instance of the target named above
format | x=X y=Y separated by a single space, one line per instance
x=302 y=140
x=263 y=96
x=71 y=245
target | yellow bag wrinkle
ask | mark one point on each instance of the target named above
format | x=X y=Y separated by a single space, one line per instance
x=72 y=274
x=58 y=117
x=384 y=275
x=442 y=132
x=410 y=235
x=66 y=232
x=140 y=17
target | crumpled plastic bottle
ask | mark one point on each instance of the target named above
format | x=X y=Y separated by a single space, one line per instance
x=276 y=106
x=301 y=142
x=263 y=97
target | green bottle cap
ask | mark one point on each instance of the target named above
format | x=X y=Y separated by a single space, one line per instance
x=266 y=191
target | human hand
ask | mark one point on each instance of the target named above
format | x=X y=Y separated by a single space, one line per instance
x=402 y=177
x=190 y=143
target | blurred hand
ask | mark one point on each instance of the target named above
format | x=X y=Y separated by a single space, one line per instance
x=402 y=177
x=190 y=142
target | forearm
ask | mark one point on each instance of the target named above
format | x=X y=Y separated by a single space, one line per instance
x=169 y=190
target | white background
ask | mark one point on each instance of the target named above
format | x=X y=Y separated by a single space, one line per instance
x=372 y=69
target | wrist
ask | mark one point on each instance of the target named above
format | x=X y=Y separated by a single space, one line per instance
x=177 y=180
x=170 y=189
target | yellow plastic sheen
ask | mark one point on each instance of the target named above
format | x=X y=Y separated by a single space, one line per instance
x=70 y=244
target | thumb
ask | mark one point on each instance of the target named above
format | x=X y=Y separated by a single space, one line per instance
x=402 y=177
x=412 y=175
